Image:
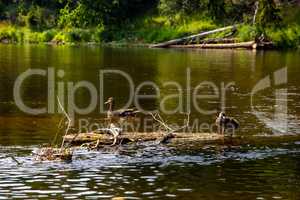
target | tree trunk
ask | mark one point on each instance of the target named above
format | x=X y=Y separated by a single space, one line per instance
x=255 y=12
x=217 y=40
x=246 y=45
x=180 y=40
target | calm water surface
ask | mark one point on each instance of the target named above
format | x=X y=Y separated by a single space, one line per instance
x=259 y=167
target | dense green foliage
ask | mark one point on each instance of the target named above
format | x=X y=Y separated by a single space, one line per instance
x=144 y=21
x=268 y=13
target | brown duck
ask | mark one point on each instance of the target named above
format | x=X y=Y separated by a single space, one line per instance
x=122 y=113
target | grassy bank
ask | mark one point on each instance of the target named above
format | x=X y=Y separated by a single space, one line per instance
x=15 y=34
x=282 y=37
x=146 y=21
x=287 y=37
x=147 y=30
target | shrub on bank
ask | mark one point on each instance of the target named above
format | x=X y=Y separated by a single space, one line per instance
x=97 y=35
x=74 y=35
x=79 y=35
x=48 y=35
x=10 y=34
x=158 y=29
x=33 y=37
x=196 y=26
x=246 y=33
x=38 y=37
x=60 y=38
x=288 y=37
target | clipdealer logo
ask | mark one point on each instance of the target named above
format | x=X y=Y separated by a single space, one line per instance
x=278 y=121
x=186 y=96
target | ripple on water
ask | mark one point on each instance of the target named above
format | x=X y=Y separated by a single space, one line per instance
x=79 y=188
x=129 y=192
x=44 y=191
x=70 y=197
x=170 y=195
x=86 y=193
x=184 y=190
x=20 y=196
x=35 y=180
x=11 y=185
x=148 y=193
x=80 y=180
x=22 y=188
x=98 y=179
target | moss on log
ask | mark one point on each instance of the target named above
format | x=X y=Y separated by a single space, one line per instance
x=77 y=139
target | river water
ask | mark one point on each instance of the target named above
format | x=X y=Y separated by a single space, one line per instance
x=262 y=164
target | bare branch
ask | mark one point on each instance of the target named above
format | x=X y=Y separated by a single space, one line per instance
x=14 y=159
x=161 y=121
x=169 y=129
x=58 y=130
x=69 y=123
x=187 y=123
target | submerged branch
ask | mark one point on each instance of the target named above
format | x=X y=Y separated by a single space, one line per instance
x=14 y=159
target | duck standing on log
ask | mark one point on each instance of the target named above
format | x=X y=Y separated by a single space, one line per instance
x=122 y=113
x=117 y=116
x=226 y=123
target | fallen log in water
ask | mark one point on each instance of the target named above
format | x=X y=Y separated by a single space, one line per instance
x=217 y=40
x=106 y=139
x=245 y=45
x=191 y=37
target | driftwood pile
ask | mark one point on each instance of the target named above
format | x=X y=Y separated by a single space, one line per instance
x=51 y=153
x=113 y=135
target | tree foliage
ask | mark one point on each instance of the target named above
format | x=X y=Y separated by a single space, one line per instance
x=35 y=18
x=77 y=17
x=216 y=8
x=268 y=13
x=172 y=7
x=91 y=13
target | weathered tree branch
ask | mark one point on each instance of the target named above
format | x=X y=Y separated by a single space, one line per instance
x=199 y=35
x=68 y=125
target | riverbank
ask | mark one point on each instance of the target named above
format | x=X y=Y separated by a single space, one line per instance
x=142 y=31
x=144 y=34
x=148 y=22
